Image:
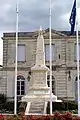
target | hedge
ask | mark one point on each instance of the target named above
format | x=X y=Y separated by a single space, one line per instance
x=54 y=116
x=63 y=106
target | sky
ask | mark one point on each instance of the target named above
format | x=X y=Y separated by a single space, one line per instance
x=35 y=13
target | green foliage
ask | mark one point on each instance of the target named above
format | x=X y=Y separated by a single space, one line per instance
x=57 y=106
x=63 y=106
x=3 y=98
x=9 y=106
x=14 y=117
x=74 y=111
x=71 y=105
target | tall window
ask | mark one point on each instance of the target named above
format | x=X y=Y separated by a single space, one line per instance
x=75 y=52
x=20 y=85
x=76 y=88
x=53 y=83
x=21 y=53
x=47 y=52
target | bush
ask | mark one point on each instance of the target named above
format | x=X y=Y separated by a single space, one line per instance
x=63 y=106
x=71 y=105
x=3 y=98
x=57 y=106
x=9 y=106
x=74 y=111
x=55 y=116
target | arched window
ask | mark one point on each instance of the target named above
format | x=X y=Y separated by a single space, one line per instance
x=53 y=83
x=20 y=85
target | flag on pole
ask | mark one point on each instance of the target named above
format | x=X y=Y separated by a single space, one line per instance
x=73 y=17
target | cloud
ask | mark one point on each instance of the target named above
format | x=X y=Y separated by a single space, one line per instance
x=33 y=13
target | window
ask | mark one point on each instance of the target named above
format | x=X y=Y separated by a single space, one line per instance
x=75 y=52
x=21 y=53
x=53 y=83
x=76 y=89
x=20 y=85
x=47 y=52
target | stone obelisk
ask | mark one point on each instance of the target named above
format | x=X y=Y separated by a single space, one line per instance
x=39 y=92
x=39 y=71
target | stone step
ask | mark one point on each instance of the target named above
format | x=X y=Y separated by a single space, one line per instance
x=36 y=110
x=62 y=82
x=35 y=103
x=34 y=107
x=37 y=107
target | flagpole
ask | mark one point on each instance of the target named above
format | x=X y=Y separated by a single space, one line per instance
x=15 y=98
x=50 y=61
x=77 y=57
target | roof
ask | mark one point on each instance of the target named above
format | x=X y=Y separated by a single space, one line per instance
x=35 y=33
x=68 y=33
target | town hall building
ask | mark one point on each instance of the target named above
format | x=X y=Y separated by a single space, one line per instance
x=64 y=63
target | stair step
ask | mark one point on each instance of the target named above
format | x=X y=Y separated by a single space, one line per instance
x=37 y=107
x=35 y=112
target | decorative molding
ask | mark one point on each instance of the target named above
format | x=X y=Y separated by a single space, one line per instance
x=13 y=68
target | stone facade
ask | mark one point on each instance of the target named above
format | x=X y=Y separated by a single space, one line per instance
x=63 y=67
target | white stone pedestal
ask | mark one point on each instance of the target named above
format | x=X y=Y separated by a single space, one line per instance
x=39 y=91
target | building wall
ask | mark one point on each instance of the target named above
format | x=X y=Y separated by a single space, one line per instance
x=64 y=64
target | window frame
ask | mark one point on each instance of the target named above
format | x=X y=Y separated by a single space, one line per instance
x=54 y=55
x=20 y=85
x=76 y=88
x=75 y=52
x=22 y=61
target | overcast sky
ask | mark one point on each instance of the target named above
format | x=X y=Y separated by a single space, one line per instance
x=33 y=13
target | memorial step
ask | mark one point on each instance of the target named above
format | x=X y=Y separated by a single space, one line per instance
x=37 y=107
